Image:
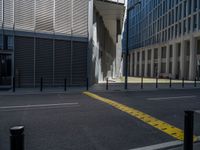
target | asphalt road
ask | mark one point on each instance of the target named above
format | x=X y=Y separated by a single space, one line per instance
x=78 y=122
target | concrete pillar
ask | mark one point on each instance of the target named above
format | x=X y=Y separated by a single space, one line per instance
x=167 y=59
x=193 y=59
x=174 y=60
x=135 y=64
x=159 y=61
x=152 y=62
x=140 y=64
x=131 y=64
x=146 y=63
x=183 y=59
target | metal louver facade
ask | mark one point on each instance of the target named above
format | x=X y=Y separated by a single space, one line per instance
x=50 y=40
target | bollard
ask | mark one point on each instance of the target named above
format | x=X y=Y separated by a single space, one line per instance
x=156 y=82
x=142 y=82
x=87 y=84
x=41 y=84
x=65 y=85
x=195 y=82
x=170 y=82
x=107 y=84
x=183 y=82
x=17 y=138
x=188 y=130
x=13 y=84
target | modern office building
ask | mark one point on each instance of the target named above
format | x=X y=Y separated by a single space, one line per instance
x=58 y=39
x=164 y=38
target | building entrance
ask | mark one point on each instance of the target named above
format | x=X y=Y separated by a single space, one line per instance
x=5 y=69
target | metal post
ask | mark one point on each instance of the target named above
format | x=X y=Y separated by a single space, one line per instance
x=65 y=84
x=41 y=84
x=142 y=82
x=183 y=82
x=188 y=130
x=17 y=138
x=87 y=84
x=107 y=84
x=126 y=55
x=13 y=84
x=195 y=82
x=170 y=82
x=156 y=82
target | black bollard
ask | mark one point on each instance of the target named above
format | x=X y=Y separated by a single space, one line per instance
x=156 y=82
x=13 y=84
x=183 y=82
x=107 y=84
x=87 y=84
x=142 y=82
x=170 y=82
x=17 y=138
x=65 y=85
x=188 y=130
x=195 y=82
x=41 y=84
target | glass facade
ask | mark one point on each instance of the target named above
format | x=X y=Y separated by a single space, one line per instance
x=157 y=21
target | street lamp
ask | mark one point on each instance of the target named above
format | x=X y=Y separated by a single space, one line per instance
x=127 y=27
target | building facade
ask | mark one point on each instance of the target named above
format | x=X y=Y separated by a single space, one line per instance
x=53 y=40
x=164 y=39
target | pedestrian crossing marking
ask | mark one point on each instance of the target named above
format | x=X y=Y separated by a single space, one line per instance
x=152 y=121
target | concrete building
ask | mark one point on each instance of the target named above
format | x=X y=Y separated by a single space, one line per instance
x=58 y=39
x=164 y=39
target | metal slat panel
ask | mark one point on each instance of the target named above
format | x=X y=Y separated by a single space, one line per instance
x=24 y=15
x=63 y=17
x=44 y=61
x=24 y=61
x=79 y=63
x=1 y=13
x=80 y=18
x=62 y=62
x=8 y=14
x=44 y=15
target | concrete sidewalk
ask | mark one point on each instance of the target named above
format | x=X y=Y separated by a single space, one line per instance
x=196 y=147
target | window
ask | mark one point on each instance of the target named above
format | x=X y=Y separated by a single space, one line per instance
x=163 y=55
x=171 y=51
x=194 y=22
x=8 y=42
x=1 y=42
x=189 y=23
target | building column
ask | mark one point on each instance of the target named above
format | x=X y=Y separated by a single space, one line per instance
x=193 y=59
x=135 y=64
x=174 y=61
x=131 y=64
x=167 y=59
x=159 y=61
x=140 y=63
x=146 y=63
x=182 y=59
x=152 y=62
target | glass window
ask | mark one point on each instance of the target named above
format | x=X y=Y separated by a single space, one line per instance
x=194 y=22
x=8 y=42
x=1 y=42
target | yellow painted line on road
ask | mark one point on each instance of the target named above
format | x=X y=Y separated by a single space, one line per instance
x=156 y=123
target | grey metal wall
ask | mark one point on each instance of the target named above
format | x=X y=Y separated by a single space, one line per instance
x=52 y=59
x=44 y=61
x=62 y=61
x=68 y=17
x=24 y=61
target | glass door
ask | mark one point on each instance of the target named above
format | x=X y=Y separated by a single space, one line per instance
x=5 y=69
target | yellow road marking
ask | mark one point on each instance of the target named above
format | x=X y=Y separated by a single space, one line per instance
x=158 y=124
